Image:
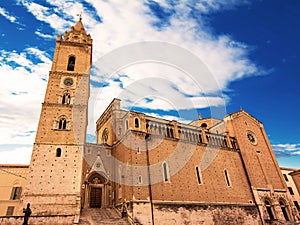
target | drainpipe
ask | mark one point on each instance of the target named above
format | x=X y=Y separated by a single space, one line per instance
x=147 y=138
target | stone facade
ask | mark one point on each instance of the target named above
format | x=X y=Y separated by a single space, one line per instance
x=211 y=171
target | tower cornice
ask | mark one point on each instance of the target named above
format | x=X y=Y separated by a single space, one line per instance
x=61 y=73
x=70 y=43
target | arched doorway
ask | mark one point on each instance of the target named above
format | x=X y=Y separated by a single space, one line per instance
x=96 y=191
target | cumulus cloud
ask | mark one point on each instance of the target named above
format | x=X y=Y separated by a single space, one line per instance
x=113 y=24
x=22 y=87
x=225 y=58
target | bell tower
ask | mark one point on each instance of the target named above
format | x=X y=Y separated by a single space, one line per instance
x=55 y=173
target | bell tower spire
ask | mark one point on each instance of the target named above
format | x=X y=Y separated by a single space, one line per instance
x=55 y=172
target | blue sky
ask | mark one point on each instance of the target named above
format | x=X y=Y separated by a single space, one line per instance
x=250 y=47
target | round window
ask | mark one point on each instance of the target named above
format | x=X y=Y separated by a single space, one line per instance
x=251 y=137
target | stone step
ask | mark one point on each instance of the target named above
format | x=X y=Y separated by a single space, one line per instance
x=99 y=216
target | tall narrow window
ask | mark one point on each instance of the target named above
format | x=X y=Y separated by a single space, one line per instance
x=291 y=190
x=269 y=210
x=15 y=193
x=297 y=205
x=62 y=124
x=198 y=174
x=66 y=99
x=126 y=125
x=227 y=178
x=136 y=123
x=71 y=63
x=58 y=152
x=10 y=210
x=165 y=172
x=284 y=211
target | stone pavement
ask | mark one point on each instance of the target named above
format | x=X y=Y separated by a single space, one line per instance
x=97 y=216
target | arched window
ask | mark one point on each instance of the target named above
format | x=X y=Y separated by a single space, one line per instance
x=138 y=149
x=269 y=210
x=227 y=178
x=58 y=152
x=139 y=179
x=66 y=99
x=71 y=63
x=136 y=123
x=62 y=124
x=15 y=193
x=284 y=211
x=198 y=174
x=204 y=125
x=165 y=172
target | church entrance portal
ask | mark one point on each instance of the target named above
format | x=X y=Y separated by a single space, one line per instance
x=95 y=197
x=97 y=189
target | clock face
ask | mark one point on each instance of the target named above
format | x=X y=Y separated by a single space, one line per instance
x=251 y=137
x=68 y=81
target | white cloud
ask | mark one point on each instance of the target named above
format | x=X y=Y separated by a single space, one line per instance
x=6 y=15
x=15 y=154
x=207 y=6
x=225 y=58
x=45 y=36
x=22 y=84
x=21 y=94
x=287 y=149
x=46 y=15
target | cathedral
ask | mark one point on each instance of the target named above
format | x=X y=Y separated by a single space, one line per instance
x=157 y=171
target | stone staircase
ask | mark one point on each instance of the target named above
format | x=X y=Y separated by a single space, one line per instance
x=97 y=216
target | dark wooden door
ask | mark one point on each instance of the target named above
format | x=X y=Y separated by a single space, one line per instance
x=95 y=197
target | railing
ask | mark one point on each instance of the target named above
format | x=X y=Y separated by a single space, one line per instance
x=193 y=135
x=161 y=129
x=189 y=134
x=217 y=140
